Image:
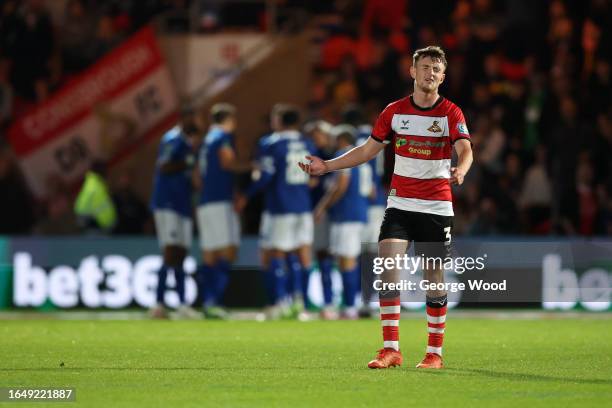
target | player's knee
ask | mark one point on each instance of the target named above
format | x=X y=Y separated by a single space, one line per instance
x=230 y=253
x=389 y=248
x=174 y=255
x=347 y=263
x=277 y=253
x=209 y=257
x=305 y=257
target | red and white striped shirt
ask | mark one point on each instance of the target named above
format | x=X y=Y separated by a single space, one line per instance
x=423 y=139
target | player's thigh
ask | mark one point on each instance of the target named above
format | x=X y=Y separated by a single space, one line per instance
x=321 y=235
x=282 y=234
x=345 y=239
x=163 y=223
x=396 y=224
x=186 y=233
x=391 y=248
x=218 y=225
x=172 y=228
x=434 y=235
x=265 y=232
x=304 y=229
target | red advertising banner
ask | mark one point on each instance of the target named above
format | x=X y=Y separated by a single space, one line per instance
x=108 y=109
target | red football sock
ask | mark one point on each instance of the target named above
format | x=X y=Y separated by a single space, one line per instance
x=389 y=317
x=436 y=322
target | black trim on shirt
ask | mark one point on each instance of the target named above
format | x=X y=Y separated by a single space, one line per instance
x=436 y=103
x=462 y=137
x=381 y=140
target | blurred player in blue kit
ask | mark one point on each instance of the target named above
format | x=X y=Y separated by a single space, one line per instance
x=353 y=115
x=218 y=223
x=319 y=132
x=172 y=209
x=346 y=202
x=287 y=224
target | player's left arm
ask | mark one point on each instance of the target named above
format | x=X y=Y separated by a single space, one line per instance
x=333 y=195
x=262 y=176
x=463 y=147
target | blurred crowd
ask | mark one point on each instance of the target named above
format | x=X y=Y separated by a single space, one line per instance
x=45 y=42
x=533 y=79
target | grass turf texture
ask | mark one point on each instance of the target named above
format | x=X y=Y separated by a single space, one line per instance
x=242 y=363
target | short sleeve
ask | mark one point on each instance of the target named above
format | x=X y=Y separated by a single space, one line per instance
x=457 y=126
x=382 y=131
x=171 y=152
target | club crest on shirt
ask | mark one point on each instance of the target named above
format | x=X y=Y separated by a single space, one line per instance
x=435 y=128
x=392 y=192
x=400 y=142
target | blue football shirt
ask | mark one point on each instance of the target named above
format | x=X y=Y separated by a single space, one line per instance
x=377 y=166
x=173 y=191
x=353 y=205
x=287 y=191
x=217 y=183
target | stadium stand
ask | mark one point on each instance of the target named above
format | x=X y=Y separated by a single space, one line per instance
x=535 y=88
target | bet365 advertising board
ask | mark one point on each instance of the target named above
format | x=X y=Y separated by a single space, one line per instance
x=116 y=273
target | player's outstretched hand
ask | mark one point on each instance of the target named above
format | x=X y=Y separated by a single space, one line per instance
x=456 y=176
x=315 y=166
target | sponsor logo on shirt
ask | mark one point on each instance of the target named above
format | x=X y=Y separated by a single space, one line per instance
x=400 y=142
x=405 y=123
x=427 y=143
x=462 y=128
x=425 y=152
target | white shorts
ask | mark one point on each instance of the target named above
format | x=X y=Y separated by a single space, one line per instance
x=371 y=230
x=173 y=228
x=264 y=230
x=285 y=232
x=321 y=234
x=345 y=239
x=219 y=226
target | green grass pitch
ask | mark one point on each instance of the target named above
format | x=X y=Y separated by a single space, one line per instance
x=506 y=363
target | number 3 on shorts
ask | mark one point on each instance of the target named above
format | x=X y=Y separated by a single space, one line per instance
x=447 y=230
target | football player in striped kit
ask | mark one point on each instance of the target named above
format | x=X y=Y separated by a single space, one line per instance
x=424 y=127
